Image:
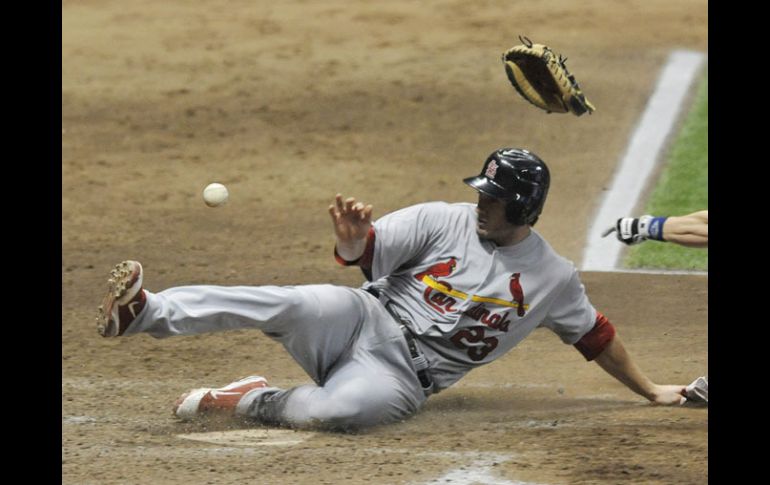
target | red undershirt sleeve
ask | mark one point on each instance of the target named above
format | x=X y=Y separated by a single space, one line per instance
x=596 y=340
x=365 y=261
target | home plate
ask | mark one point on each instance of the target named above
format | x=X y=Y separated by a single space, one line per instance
x=251 y=437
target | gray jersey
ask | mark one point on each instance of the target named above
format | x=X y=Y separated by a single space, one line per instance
x=469 y=300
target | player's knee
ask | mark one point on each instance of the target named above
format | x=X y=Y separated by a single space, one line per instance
x=348 y=411
x=308 y=301
x=343 y=417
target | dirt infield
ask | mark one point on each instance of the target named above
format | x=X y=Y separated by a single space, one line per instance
x=288 y=103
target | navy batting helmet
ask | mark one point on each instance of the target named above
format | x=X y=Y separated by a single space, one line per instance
x=520 y=178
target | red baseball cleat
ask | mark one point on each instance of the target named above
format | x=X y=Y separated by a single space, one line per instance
x=124 y=300
x=222 y=401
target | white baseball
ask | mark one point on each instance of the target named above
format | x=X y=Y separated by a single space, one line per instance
x=215 y=194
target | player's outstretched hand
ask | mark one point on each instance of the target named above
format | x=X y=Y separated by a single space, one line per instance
x=351 y=219
x=668 y=395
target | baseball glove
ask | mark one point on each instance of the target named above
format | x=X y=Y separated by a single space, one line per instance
x=541 y=77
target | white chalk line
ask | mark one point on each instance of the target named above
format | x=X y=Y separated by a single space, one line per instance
x=480 y=468
x=478 y=472
x=641 y=157
x=251 y=437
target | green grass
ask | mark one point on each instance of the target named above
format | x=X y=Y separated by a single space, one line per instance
x=682 y=189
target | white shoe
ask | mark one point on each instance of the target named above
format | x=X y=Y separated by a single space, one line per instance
x=222 y=401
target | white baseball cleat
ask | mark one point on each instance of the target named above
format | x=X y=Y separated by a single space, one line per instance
x=222 y=401
x=124 y=300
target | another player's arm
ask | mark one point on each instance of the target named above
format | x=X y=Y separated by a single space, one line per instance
x=691 y=230
x=603 y=345
x=353 y=231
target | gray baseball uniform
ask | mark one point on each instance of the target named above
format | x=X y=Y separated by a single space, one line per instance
x=465 y=299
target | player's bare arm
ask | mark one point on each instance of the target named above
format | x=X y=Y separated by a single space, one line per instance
x=691 y=230
x=616 y=361
x=352 y=221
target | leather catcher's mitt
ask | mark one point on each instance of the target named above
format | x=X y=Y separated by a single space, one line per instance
x=541 y=77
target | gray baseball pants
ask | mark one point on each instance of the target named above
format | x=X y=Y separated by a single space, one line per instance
x=342 y=337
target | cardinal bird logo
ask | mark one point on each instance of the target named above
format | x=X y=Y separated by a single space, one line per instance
x=518 y=293
x=438 y=270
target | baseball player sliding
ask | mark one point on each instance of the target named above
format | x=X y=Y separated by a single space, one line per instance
x=450 y=287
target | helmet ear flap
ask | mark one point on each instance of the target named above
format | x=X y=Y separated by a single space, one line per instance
x=514 y=213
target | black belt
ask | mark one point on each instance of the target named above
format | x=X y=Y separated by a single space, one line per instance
x=421 y=364
x=419 y=361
